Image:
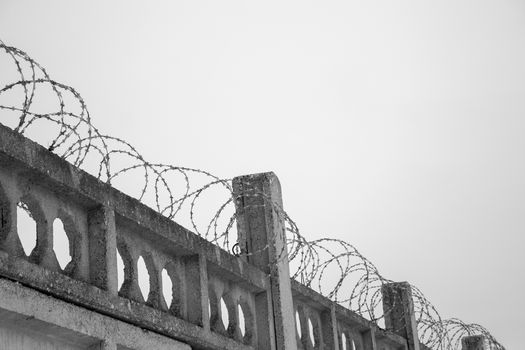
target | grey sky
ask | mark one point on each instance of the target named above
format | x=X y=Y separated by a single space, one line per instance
x=395 y=125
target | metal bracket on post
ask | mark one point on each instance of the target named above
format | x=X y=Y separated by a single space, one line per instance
x=262 y=241
x=398 y=308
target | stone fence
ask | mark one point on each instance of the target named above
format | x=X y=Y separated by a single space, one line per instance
x=266 y=310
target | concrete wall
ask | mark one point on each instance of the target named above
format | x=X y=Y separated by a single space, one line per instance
x=44 y=305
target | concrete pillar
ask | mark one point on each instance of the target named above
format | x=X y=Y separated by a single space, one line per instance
x=103 y=249
x=261 y=230
x=398 y=308
x=474 y=342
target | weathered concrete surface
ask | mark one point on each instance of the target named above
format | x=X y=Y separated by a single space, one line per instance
x=398 y=307
x=262 y=235
x=32 y=320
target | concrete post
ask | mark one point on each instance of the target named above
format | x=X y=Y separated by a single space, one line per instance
x=474 y=342
x=261 y=231
x=103 y=249
x=398 y=308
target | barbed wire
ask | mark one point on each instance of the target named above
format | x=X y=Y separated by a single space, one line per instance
x=70 y=133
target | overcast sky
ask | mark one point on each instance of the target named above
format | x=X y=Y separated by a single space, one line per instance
x=395 y=125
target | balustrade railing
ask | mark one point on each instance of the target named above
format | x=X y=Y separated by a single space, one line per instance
x=101 y=223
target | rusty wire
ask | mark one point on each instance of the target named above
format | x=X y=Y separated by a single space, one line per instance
x=71 y=134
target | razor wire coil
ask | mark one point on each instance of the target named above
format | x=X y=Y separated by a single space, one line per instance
x=75 y=138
